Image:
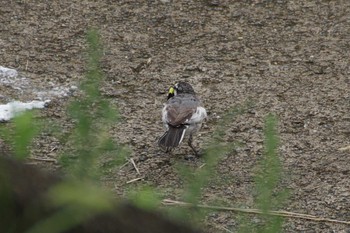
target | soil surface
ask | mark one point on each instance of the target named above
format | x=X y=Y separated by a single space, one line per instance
x=290 y=58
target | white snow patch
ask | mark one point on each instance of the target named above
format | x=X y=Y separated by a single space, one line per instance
x=47 y=90
x=10 y=110
x=58 y=91
x=7 y=72
x=10 y=78
x=23 y=86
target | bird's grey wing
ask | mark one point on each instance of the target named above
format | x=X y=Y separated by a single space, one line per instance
x=177 y=114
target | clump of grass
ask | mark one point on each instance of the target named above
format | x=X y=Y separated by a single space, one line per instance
x=268 y=195
x=93 y=116
x=269 y=172
x=75 y=202
x=76 y=199
x=20 y=134
x=215 y=151
x=267 y=180
x=197 y=180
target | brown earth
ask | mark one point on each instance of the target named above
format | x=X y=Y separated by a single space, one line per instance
x=290 y=58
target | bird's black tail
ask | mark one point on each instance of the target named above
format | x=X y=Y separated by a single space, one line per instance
x=173 y=137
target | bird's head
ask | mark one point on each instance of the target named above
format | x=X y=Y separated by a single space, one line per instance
x=180 y=88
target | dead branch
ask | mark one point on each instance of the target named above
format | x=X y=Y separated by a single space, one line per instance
x=134 y=164
x=257 y=211
x=133 y=180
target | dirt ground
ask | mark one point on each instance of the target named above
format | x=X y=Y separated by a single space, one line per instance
x=290 y=58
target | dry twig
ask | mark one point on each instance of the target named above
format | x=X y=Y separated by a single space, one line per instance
x=133 y=180
x=54 y=148
x=133 y=163
x=27 y=63
x=122 y=166
x=44 y=159
x=223 y=228
x=257 y=211
x=344 y=148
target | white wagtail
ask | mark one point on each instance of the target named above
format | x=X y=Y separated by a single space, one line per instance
x=182 y=116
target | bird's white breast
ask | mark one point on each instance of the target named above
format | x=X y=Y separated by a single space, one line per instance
x=198 y=116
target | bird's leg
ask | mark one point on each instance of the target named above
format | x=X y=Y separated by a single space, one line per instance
x=192 y=147
x=168 y=150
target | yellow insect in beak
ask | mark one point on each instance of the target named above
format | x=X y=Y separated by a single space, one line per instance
x=171 y=92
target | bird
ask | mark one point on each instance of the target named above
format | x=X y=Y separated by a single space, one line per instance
x=182 y=116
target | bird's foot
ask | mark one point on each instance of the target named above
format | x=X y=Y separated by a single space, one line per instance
x=190 y=157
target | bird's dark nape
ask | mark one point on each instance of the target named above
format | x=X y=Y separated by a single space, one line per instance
x=173 y=137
